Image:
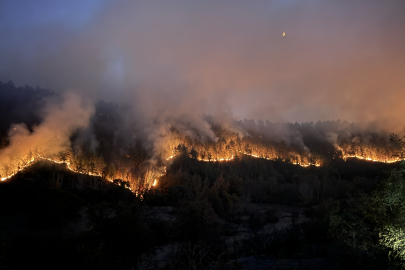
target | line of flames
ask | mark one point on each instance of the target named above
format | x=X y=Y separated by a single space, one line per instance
x=295 y=163
x=68 y=165
x=374 y=160
x=252 y=155
x=205 y=160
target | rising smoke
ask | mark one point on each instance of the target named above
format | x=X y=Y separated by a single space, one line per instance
x=61 y=118
x=176 y=62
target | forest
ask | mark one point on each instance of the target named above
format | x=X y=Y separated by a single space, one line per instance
x=242 y=195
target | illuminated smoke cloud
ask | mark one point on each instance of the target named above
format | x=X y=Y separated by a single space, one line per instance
x=51 y=137
x=175 y=61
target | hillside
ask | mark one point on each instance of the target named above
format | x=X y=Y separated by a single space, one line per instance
x=210 y=215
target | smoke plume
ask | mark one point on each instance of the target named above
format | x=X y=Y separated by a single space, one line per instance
x=61 y=119
x=174 y=62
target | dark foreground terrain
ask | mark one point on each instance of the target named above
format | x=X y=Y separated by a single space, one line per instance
x=247 y=214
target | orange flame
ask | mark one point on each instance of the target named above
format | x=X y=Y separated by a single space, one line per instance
x=69 y=166
x=317 y=164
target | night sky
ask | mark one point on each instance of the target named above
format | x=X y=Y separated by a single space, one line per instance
x=338 y=60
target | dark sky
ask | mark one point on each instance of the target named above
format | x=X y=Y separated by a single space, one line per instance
x=342 y=59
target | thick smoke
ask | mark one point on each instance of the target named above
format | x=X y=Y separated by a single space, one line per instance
x=61 y=119
x=176 y=61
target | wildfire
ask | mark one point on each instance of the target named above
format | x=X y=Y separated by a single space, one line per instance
x=155 y=181
x=219 y=159
x=203 y=159
x=69 y=166
x=252 y=155
x=386 y=160
x=374 y=160
x=295 y=163
x=22 y=168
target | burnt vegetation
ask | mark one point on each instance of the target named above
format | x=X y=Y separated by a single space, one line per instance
x=240 y=214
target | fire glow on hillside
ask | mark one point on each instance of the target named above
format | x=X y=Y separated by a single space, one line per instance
x=385 y=160
x=151 y=176
x=147 y=184
x=228 y=145
x=69 y=166
x=140 y=174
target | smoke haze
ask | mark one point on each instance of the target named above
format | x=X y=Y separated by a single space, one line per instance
x=176 y=61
